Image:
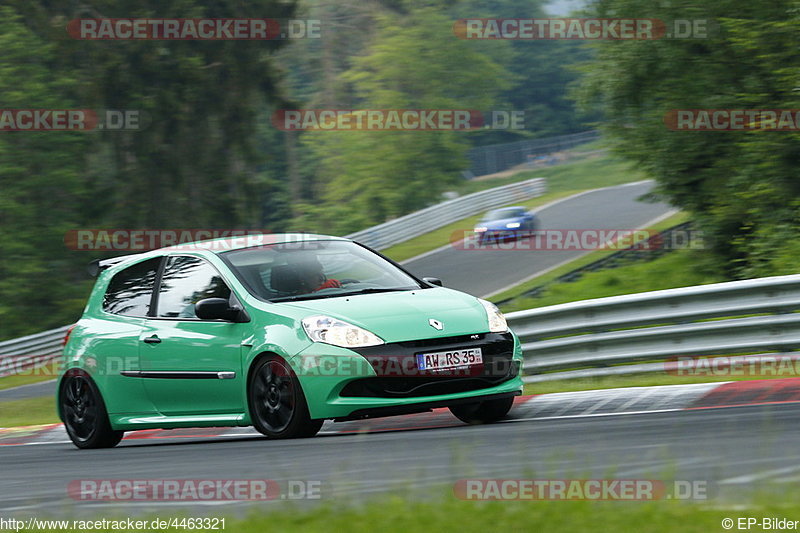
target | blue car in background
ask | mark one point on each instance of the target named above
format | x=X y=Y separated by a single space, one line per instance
x=506 y=223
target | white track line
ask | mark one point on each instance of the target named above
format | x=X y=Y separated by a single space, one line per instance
x=568 y=261
x=749 y=478
x=548 y=205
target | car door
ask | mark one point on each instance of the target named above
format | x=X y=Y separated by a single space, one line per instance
x=191 y=366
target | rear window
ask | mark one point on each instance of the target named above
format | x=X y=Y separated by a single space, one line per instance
x=130 y=290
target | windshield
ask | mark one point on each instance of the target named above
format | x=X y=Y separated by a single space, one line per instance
x=509 y=212
x=315 y=269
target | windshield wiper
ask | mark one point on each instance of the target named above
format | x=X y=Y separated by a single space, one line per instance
x=368 y=290
x=303 y=297
x=371 y=290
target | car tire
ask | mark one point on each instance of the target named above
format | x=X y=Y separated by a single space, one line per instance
x=484 y=412
x=84 y=413
x=278 y=407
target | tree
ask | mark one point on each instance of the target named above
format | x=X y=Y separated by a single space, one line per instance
x=741 y=187
x=371 y=176
x=541 y=71
x=206 y=157
x=42 y=189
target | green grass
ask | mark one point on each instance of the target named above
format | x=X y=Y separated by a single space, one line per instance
x=29 y=412
x=397 y=514
x=676 y=269
x=591 y=173
x=583 y=153
x=669 y=271
x=602 y=282
x=562 y=181
x=18 y=380
x=409 y=515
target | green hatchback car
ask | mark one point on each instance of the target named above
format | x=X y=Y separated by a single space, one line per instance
x=279 y=332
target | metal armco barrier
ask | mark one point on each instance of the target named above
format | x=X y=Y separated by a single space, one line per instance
x=434 y=217
x=29 y=351
x=598 y=334
x=26 y=352
x=662 y=325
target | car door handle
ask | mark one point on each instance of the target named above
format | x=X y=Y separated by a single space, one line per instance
x=152 y=340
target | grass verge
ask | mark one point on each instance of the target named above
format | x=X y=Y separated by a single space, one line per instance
x=562 y=181
x=679 y=268
x=28 y=412
x=407 y=515
x=9 y=382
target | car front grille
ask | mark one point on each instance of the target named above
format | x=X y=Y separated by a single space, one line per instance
x=398 y=376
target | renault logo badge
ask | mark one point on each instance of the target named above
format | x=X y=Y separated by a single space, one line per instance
x=435 y=324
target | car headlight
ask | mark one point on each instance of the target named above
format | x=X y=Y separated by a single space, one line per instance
x=512 y=225
x=497 y=322
x=480 y=229
x=329 y=330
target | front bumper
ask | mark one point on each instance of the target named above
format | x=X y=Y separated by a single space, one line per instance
x=503 y=234
x=383 y=380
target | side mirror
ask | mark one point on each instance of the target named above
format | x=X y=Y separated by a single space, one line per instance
x=216 y=309
x=433 y=281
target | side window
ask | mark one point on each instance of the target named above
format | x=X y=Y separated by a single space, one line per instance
x=130 y=290
x=186 y=281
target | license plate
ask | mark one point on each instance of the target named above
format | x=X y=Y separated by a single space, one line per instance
x=449 y=359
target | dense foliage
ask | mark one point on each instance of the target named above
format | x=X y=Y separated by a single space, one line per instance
x=741 y=186
x=208 y=155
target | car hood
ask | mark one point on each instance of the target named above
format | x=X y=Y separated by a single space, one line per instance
x=401 y=316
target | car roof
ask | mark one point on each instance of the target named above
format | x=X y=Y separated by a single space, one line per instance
x=215 y=246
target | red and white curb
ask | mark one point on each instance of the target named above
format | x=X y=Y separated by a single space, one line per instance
x=604 y=402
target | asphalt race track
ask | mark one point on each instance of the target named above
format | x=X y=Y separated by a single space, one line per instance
x=486 y=271
x=733 y=449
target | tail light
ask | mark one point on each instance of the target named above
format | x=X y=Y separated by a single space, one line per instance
x=67 y=334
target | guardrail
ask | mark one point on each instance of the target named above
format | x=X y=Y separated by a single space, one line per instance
x=660 y=326
x=605 y=336
x=434 y=217
x=645 y=251
x=33 y=350
x=26 y=352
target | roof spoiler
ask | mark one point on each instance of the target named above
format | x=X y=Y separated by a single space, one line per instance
x=98 y=265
